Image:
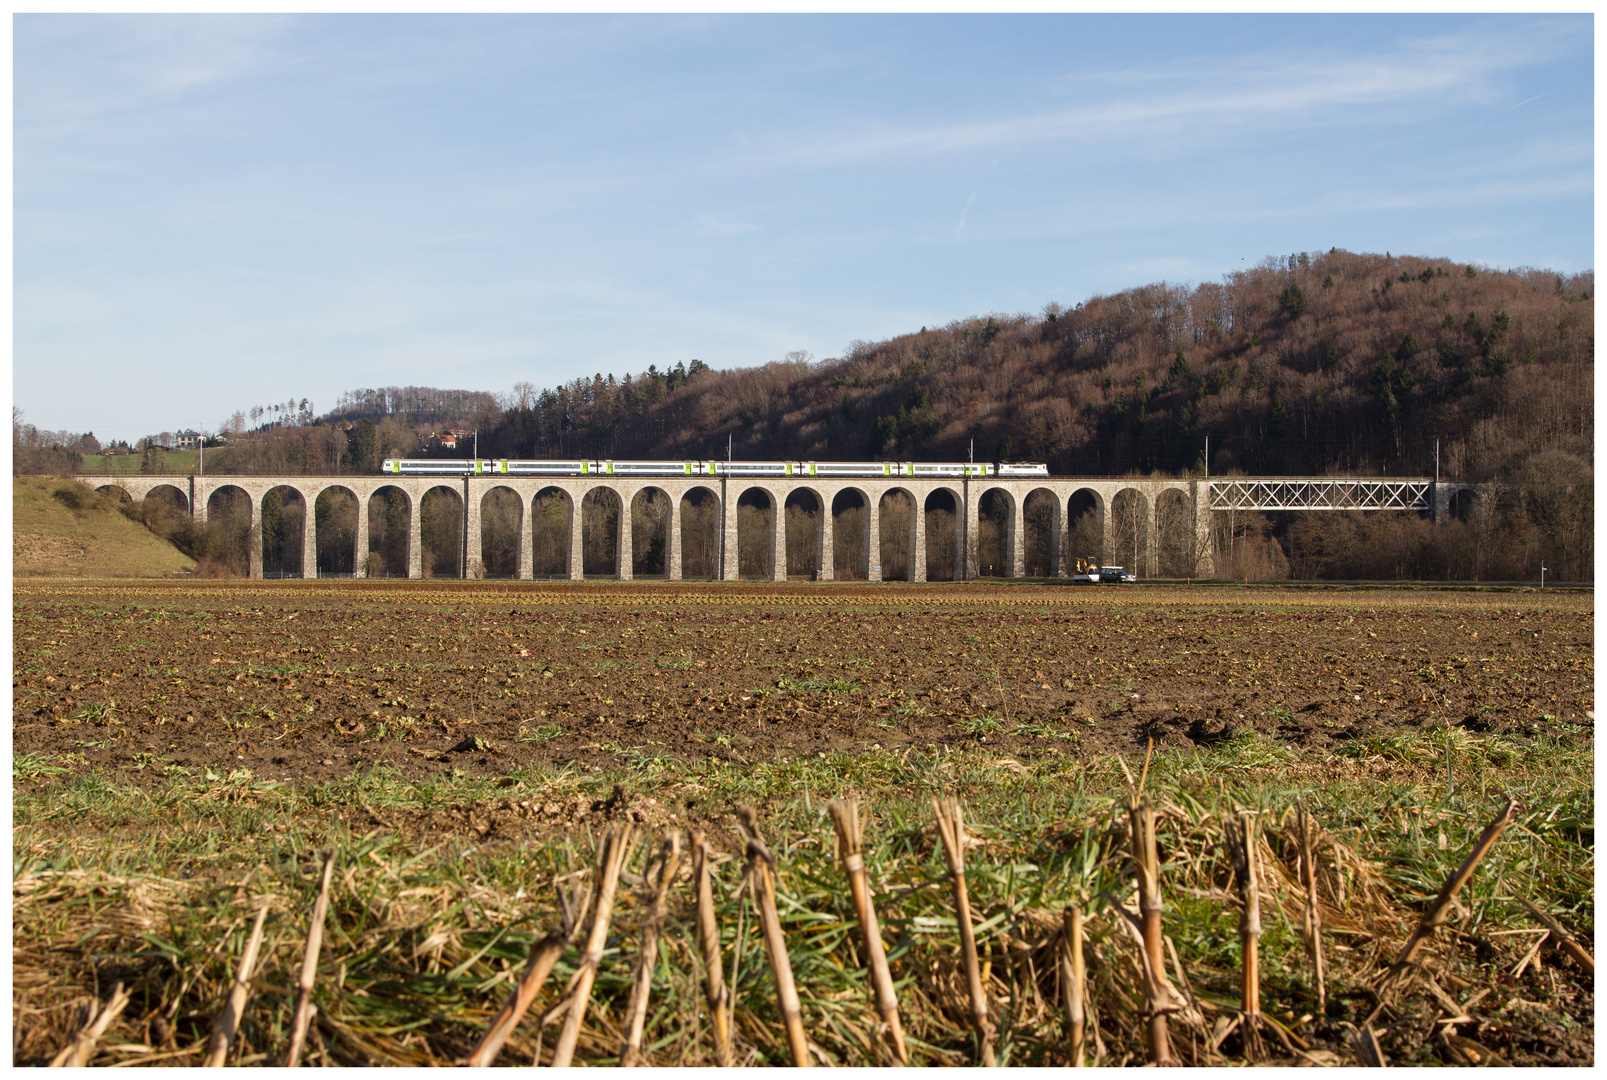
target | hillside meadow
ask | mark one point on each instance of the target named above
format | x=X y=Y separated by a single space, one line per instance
x=60 y=528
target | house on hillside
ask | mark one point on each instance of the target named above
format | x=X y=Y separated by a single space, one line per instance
x=187 y=440
x=449 y=440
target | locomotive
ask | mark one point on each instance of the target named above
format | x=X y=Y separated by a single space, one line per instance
x=829 y=469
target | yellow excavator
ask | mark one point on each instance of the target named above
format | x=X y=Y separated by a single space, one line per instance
x=1090 y=572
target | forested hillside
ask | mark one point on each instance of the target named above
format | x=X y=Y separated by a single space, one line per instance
x=1319 y=364
x=1310 y=365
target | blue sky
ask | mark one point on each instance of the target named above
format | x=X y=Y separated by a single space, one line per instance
x=212 y=212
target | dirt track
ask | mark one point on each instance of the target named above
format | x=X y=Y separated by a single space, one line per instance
x=308 y=681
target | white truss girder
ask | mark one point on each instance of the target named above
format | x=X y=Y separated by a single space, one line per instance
x=1250 y=493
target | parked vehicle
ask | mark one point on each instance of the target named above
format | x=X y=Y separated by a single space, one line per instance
x=1090 y=572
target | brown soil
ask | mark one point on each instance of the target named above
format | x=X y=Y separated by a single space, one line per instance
x=310 y=681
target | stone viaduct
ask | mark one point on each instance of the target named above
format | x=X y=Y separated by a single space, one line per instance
x=1186 y=504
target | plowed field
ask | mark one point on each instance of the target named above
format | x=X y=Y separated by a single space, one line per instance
x=310 y=681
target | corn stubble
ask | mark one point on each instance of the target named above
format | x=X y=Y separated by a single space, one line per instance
x=850 y=840
x=1084 y=984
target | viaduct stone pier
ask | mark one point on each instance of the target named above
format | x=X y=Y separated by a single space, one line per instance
x=1146 y=510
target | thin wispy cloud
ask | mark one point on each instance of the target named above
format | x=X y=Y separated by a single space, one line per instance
x=128 y=64
x=966 y=209
x=719 y=223
x=1212 y=99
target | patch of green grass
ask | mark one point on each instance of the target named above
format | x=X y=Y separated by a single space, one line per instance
x=539 y=733
x=648 y=760
x=1247 y=749
x=1432 y=745
x=982 y=725
x=476 y=744
x=170 y=462
x=394 y=727
x=30 y=766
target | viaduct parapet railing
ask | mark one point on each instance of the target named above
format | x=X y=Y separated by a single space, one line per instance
x=1145 y=508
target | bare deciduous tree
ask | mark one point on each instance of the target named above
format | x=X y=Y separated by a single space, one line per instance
x=549 y=534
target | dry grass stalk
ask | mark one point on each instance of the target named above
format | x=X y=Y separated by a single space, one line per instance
x=708 y=932
x=1453 y=1012
x=1242 y=845
x=1532 y=956
x=228 y=1021
x=845 y=817
x=544 y=956
x=78 y=1053
x=610 y=861
x=630 y=1053
x=1435 y=916
x=1075 y=977
x=762 y=887
x=1311 y=920
x=309 y=967
x=1565 y=940
x=951 y=827
x=1368 y=1052
x=1158 y=997
x=1143 y=776
x=1465 y=1051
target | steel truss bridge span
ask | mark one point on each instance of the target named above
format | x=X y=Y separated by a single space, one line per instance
x=1320 y=493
